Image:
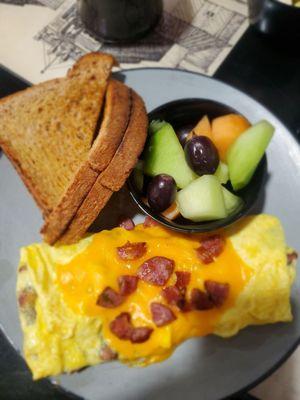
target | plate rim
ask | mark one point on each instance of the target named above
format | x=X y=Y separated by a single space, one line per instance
x=295 y=138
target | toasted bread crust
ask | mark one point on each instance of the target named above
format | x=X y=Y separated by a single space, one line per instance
x=126 y=157
x=91 y=59
x=115 y=120
x=59 y=218
x=87 y=213
x=26 y=179
x=114 y=176
x=47 y=130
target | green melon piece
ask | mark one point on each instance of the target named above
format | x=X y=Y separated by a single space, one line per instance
x=233 y=203
x=155 y=125
x=246 y=152
x=222 y=172
x=164 y=155
x=202 y=200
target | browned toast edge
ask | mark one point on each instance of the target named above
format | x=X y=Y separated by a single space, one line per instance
x=26 y=180
x=114 y=176
x=115 y=121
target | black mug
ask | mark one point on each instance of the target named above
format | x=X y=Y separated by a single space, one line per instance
x=119 y=20
x=275 y=19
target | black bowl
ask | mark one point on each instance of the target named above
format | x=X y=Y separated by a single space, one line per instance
x=182 y=114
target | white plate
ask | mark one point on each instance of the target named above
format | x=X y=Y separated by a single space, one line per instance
x=209 y=368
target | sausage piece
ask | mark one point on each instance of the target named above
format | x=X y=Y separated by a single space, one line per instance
x=140 y=334
x=218 y=292
x=156 y=270
x=172 y=295
x=132 y=250
x=127 y=284
x=161 y=314
x=121 y=326
x=200 y=300
x=182 y=279
x=109 y=298
x=149 y=222
x=210 y=248
x=126 y=223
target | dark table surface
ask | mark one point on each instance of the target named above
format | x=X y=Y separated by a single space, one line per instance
x=266 y=70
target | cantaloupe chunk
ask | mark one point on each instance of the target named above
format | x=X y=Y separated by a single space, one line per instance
x=172 y=212
x=203 y=128
x=225 y=130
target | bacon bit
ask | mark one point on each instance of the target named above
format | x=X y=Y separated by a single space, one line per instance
x=141 y=334
x=121 y=326
x=26 y=300
x=23 y=268
x=149 y=222
x=27 y=297
x=200 y=300
x=161 y=314
x=126 y=223
x=127 y=284
x=107 y=354
x=183 y=279
x=291 y=257
x=184 y=305
x=156 y=270
x=217 y=292
x=213 y=241
x=210 y=248
x=109 y=298
x=132 y=251
x=172 y=295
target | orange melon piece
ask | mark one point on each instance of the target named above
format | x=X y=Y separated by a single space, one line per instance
x=172 y=212
x=225 y=130
x=203 y=128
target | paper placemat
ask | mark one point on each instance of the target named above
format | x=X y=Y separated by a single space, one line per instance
x=41 y=39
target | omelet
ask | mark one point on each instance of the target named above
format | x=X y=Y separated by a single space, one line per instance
x=136 y=294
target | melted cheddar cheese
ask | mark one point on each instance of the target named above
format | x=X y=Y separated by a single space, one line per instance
x=84 y=278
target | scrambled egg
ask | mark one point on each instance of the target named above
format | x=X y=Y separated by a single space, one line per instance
x=65 y=330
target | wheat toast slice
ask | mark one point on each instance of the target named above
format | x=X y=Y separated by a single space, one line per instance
x=114 y=123
x=114 y=176
x=47 y=130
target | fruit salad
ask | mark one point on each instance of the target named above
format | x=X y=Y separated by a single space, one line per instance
x=198 y=173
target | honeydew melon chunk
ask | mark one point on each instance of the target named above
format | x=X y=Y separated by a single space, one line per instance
x=202 y=200
x=232 y=202
x=164 y=155
x=246 y=152
x=222 y=173
x=155 y=125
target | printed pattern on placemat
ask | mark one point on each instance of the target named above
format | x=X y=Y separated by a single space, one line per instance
x=192 y=34
x=53 y=4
